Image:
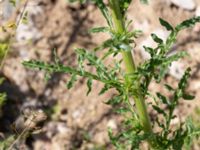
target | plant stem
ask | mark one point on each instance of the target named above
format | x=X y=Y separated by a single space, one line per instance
x=118 y=22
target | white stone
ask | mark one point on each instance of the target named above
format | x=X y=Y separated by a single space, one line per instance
x=185 y=4
x=176 y=70
x=78 y=113
x=27 y=32
x=197 y=12
x=62 y=128
x=143 y=26
x=195 y=85
x=112 y=124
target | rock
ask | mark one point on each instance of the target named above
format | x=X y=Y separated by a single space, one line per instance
x=62 y=128
x=101 y=137
x=7 y=10
x=112 y=124
x=185 y=4
x=2 y=136
x=176 y=70
x=142 y=25
x=42 y=144
x=195 y=85
x=197 y=12
x=28 y=31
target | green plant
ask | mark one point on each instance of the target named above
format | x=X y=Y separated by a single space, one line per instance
x=134 y=83
x=2 y=97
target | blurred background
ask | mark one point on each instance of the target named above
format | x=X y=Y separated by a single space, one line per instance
x=75 y=121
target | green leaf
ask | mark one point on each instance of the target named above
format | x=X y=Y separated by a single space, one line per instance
x=65 y=69
x=25 y=18
x=162 y=72
x=168 y=60
x=187 y=96
x=188 y=23
x=183 y=82
x=104 y=89
x=113 y=139
x=3 y=97
x=89 y=85
x=122 y=110
x=150 y=50
x=99 y=29
x=114 y=101
x=71 y=81
x=47 y=76
x=124 y=4
x=81 y=1
x=104 y=11
x=168 y=87
x=159 y=110
x=4 y=47
x=156 y=38
x=166 y=24
x=163 y=98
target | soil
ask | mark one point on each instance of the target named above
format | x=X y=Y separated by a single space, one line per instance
x=77 y=121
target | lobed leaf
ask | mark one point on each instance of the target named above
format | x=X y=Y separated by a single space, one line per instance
x=104 y=11
x=166 y=24
x=188 y=23
x=159 y=110
x=150 y=50
x=114 y=100
x=124 y=4
x=168 y=87
x=187 y=96
x=89 y=85
x=163 y=99
x=72 y=81
x=99 y=29
x=183 y=82
x=156 y=38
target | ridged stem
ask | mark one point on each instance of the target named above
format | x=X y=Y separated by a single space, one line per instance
x=128 y=60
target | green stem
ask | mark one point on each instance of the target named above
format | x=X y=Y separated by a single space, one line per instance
x=118 y=22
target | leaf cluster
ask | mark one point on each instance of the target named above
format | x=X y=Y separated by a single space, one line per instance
x=111 y=75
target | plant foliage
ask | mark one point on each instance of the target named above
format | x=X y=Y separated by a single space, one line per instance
x=132 y=133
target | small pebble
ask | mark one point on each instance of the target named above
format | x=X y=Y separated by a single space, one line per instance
x=112 y=124
x=184 y=4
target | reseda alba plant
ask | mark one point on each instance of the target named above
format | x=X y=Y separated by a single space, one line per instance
x=133 y=84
